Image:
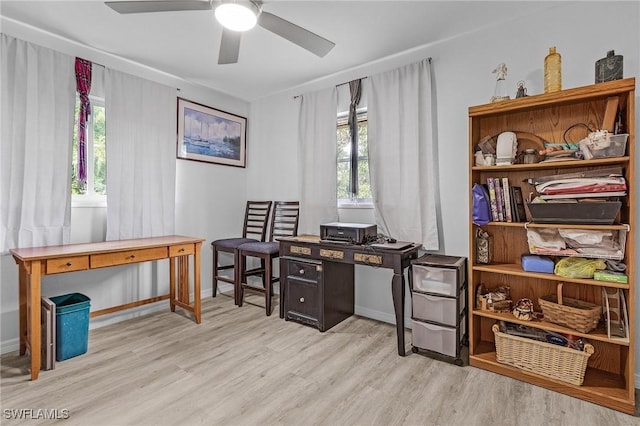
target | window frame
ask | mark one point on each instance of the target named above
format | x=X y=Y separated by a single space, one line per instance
x=353 y=203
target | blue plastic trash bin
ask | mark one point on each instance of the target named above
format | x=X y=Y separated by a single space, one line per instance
x=72 y=325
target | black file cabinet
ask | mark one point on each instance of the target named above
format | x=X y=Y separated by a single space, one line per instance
x=439 y=310
x=319 y=294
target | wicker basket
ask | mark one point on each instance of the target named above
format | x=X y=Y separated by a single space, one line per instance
x=546 y=359
x=572 y=313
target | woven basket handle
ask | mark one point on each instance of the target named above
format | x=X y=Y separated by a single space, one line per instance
x=560 y=293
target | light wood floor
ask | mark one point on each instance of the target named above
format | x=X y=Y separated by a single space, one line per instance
x=241 y=368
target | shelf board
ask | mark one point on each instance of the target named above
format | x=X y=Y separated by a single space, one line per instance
x=599 y=387
x=573 y=95
x=553 y=164
x=516 y=270
x=615 y=226
x=599 y=334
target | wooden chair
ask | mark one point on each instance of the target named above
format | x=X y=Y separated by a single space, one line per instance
x=256 y=218
x=284 y=223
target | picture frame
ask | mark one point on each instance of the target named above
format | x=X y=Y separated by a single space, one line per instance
x=210 y=135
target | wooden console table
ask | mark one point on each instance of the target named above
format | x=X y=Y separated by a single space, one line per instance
x=35 y=262
x=310 y=247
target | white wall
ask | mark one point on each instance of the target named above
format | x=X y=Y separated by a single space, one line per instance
x=209 y=204
x=462 y=72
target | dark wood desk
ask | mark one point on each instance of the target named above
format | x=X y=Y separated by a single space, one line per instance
x=35 y=262
x=310 y=247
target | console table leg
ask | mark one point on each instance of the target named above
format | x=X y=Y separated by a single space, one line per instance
x=34 y=319
x=172 y=283
x=23 y=283
x=397 y=291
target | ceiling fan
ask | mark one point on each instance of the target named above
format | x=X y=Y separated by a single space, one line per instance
x=235 y=16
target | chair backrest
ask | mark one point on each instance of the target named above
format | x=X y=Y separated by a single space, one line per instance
x=256 y=218
x=284 y=219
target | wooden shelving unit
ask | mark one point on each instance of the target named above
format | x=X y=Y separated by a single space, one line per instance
x=609 y=379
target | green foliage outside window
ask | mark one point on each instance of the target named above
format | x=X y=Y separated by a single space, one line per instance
x=96 y=149
x=344 y=164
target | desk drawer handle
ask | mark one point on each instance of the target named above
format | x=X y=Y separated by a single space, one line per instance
x=302 y=300
x=301 y=271
x=133 y=256
x=181 y=250
x=68 y=264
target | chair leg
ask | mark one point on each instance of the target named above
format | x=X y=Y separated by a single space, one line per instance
x=267 y=285
x=241 y=273
x=236 y=275
x=214 y=280
x=264 y=272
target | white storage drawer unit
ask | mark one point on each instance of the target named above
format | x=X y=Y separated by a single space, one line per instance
x=438 y=302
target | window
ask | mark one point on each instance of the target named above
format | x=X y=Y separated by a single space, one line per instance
x=96 y=187
x=353 y=187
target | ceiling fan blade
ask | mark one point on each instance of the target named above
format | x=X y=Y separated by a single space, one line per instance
x=295 y=34
x=229 y=47
x=158 y=6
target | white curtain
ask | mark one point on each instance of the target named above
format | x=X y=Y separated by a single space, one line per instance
x=318 y=160
x=401 y=153
x=38 y=98
x=141 y=156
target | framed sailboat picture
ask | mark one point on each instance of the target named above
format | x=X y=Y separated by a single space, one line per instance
x=210 y=135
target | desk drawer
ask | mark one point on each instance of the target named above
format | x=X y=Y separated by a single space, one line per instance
x=303 y=269
x=67 y=264
x=181 y=250
x=302 y=300
x=129 y=256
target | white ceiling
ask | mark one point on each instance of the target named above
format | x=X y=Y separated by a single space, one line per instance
x=186 y=44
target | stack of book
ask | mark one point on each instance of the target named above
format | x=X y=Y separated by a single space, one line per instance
x=507 y=203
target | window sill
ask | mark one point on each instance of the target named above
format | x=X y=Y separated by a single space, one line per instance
x=355 y=205
x=88 y=201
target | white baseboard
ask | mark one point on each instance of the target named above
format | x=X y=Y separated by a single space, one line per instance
x=380 y=316
x=9 y=346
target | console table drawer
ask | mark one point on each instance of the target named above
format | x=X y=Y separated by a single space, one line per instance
x=130 y=256
x=67 y=264
x=181 y=250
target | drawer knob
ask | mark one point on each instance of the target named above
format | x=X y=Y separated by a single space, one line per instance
x=68 y=263
x=302 y=300
x=181 y=250
x=301 y=271
x=133 y=256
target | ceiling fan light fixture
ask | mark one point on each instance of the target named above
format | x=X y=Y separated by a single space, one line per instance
x=237 y=15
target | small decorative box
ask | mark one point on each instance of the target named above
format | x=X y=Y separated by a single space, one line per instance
x=533 y=263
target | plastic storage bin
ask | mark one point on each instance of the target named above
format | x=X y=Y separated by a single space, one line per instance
x=614 y=147
x=72 y=325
